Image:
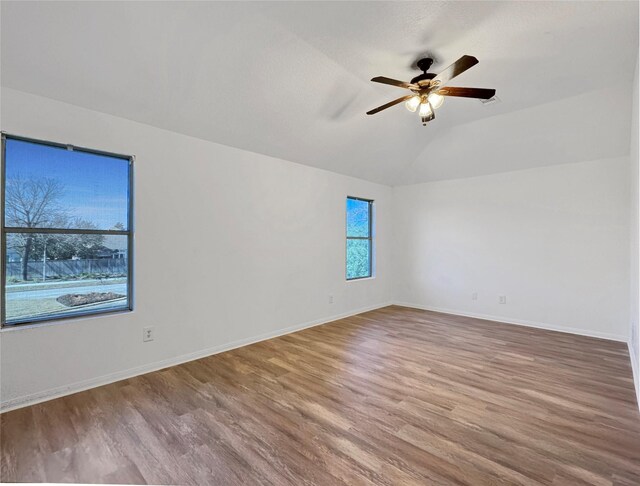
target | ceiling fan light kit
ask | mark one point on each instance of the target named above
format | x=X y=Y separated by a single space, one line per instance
x=428 y=89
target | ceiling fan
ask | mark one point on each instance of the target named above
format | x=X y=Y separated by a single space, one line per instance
x=428 y=89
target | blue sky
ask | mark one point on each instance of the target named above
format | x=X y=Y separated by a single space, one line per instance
x=95 y=186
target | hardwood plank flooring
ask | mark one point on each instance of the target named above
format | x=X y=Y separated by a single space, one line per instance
x=395 y=396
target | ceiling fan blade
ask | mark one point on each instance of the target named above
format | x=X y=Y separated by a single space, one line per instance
x=458 y=67
x=482 y=93
x=394 y=82
x=389 y=105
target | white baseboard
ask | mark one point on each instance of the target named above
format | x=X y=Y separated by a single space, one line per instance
x=634 y=367
x=61 y=391
x=520 y=322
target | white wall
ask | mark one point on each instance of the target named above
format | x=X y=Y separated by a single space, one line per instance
x=634 y=334
x=554 y=240
x=267 y=236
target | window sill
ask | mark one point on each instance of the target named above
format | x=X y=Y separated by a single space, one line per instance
x=363 y=279
x=5 y=328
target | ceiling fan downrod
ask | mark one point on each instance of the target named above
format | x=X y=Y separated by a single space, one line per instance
x=424 y=65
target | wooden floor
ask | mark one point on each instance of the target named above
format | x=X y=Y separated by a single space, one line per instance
x=394 y=396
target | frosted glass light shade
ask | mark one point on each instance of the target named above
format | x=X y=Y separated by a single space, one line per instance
x=425 y=109
x=436 y=100
x=412 y=103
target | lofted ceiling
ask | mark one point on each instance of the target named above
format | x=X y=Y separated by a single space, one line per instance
x=291 y=79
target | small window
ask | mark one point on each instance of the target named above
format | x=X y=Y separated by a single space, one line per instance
x=66 y=231
x=359 y=238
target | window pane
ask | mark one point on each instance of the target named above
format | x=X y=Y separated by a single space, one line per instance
x=51 y=187
x=358 y=258
x=357 y=217
x=49 y=275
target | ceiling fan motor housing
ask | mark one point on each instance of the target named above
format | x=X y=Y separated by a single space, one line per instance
x=423 y=77
x=424 y=65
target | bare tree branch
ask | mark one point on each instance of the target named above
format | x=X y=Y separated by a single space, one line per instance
x=32 y=203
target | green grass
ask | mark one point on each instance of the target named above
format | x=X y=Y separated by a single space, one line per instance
x=33 y=308
x=17 y=309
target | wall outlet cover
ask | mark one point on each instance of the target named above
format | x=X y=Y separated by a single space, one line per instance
x=148 y=334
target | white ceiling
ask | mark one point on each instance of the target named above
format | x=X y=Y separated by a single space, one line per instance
x=291 y=79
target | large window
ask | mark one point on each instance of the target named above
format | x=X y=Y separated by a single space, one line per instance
x=359 y=238
x=66 y=231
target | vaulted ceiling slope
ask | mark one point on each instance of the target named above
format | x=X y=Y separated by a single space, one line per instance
x=291 y=79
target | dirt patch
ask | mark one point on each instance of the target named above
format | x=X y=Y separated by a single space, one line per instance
x=73 y=300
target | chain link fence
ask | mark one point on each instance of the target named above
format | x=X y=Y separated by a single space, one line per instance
x=53 y=269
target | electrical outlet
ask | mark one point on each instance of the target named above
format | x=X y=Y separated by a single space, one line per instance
x=148 y=334
x=474 y=296
x=502 y=299
x=331 y=299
